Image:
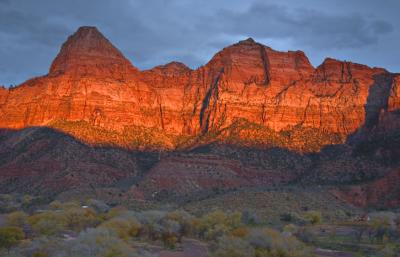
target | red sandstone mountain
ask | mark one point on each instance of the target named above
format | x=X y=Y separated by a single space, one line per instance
x=247 y=95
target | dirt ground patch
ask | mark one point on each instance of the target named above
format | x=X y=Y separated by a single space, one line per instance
x=330 y=253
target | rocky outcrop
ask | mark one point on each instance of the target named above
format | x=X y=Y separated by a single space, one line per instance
x=246 y=94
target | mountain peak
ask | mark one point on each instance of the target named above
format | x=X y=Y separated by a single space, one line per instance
x=88 y=34
x=248 y=40
x=261 y=63
x=86 y=29
x=171 y=68
x=89 y=52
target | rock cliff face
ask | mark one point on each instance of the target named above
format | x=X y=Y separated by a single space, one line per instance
x=246 y=94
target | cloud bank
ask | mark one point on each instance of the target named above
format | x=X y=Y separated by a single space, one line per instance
x=154 y=32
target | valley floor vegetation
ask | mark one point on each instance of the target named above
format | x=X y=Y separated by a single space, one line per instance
x=34 y=227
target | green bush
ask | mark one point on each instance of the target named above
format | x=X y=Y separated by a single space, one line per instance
x=313 y=217
x=17 y=219
x=124 y=227
x=10 y=236
x=47 y=223
x=77 y=218
x=217 y=223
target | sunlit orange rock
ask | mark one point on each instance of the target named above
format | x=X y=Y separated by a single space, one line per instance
x=3 y=95
x=91 y=87
x=394 y=98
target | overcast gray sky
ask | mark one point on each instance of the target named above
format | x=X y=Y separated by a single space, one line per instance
x=153 y=32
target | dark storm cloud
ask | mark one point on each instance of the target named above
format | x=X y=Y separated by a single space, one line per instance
x=154 y=32
x=305 y=26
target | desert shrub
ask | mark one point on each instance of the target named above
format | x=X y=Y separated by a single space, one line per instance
x=305 y=235
x=233 y=247
x=100 y=242
x=313 y=217
x=77 y=218
x=17 y=219
x=10 y=237
x=387 y=219
x=179 y=216
x=43 y=246
x=249 y=217
x=291 y=228
x=271 y=243
x=70 y=205
x=390 y=250
x=384 y=225
x=171 y=226
x=169 y=240
x=152 y=216
x=293 y=217
x=263 y=239
x=184 y=219
x=172 y=231
x=240 y=232
x=217 y=223
x=153 y=231
x=8 y=203
x=234 y=220
x=55 y=205
x=47 y=223
x=27 y=200
x=123 y=227
x=151 y=224
x=210 y=227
